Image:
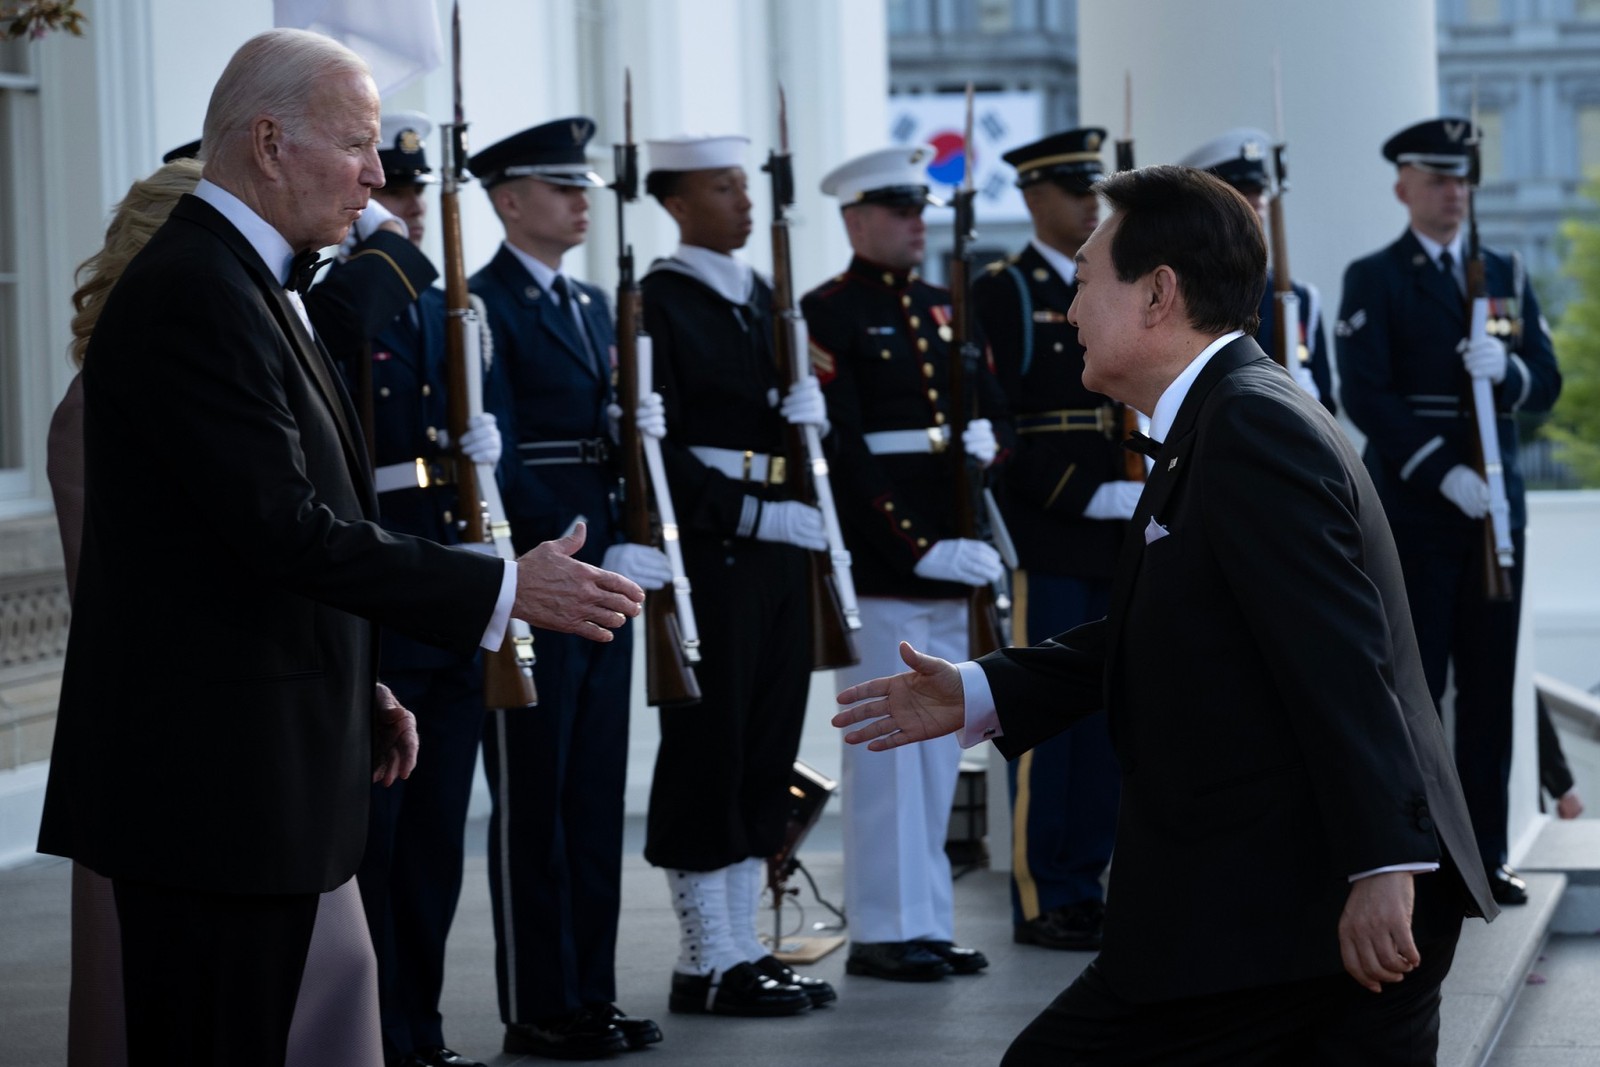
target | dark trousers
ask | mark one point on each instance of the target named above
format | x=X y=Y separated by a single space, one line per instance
x=720 y=793
x=210 y=978
x=1063 y=792
x=1457 y=626
x=1323 y=1022
x=410 y=875
x=557 y=773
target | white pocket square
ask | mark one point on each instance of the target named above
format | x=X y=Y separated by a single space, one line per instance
x=1154 y=532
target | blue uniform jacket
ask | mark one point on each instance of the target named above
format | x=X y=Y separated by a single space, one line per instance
x=1403 y=384
x=1313 y=337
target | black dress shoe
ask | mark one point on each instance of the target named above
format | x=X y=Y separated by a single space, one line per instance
x=1506 y=887
x=819 y=991
x=961 y=960
x=898 y=961
x=437 y=1057
x=1072 y=927
x=572 y=1037
x=637 y=1032
x=740 y=990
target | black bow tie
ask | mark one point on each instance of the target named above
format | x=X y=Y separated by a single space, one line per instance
x=302 y=268
x=1145 y=446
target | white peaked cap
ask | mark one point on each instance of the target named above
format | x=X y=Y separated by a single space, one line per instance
x=697 y=151
x=1239 y=143
x=898 y=170
x=392 y=123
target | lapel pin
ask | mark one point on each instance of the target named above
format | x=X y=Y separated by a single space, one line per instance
x=1173 y=463
x=531 y=292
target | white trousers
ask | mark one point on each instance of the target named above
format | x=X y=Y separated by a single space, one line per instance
x=896 y=804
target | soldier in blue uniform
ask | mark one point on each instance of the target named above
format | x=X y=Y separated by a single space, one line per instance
x=557 y=771
x=410 y=875
x=1066 y=489
x=719 y=798
x=1239 y=157
x=1404 y=362
x=880 y=345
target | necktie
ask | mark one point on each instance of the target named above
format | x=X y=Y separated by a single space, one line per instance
x=569 y=306
x=1447 y=263
x=302 y=268
x=1145 y=446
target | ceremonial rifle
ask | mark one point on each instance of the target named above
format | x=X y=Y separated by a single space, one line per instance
x=1499 y=553
x=834 y=610
x=671 y=638
x=1132 y=462
x=984 y=628
x=1286 y=344
x=507 y=673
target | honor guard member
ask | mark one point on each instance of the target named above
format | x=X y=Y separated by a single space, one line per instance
x=1404 y=364
x=719 y=799
x=1065 y=492
x=880 y=345
x=557 y=772
x=1239 y=157
x=410 y=875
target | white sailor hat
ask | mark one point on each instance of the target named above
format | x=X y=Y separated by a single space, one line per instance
x=1238 y=157
x=401 y=146
x=894 y=176
x=697 y=151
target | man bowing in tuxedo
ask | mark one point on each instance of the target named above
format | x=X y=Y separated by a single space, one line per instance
x=1294 y=856
x=232 y=573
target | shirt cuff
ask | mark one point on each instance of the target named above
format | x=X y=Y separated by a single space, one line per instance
x=495 y=632
x=1414 y=868
x=981 y=723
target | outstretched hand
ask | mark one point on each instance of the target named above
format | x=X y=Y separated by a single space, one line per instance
x=394 y=739
x=558 y=592
x=927 y=701
x=1375 y=939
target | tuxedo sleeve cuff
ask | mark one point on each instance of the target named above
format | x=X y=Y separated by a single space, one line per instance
x=1414 y=868
x=981 y=722
x=495 y=632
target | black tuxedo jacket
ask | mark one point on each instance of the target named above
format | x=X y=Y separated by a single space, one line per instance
x=1265 y=697
x=215 y=719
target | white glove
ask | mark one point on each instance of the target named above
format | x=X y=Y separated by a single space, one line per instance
x=481 y=442
x=1484 y=359
x=1466 y=489
x=646 y=567
x=1304 y=379
x=957 y=559
x=1113 y=500
x=651 y=416
x=803 y=405
x=978 y=439
x=367 y=224
x=789 y=522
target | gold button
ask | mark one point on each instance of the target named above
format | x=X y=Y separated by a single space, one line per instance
x=448 y=517
x=927 y=370
x=946 y=333
x=933 y=394
x=888 y=279
x=888 y=505
x=427 y=390
x=431 y=434
x=905 y=301
x=383 y=391
x=1040 y=274
x=915 y=322
x=922 y=542
x=938 y=418
x=886 y=354
x=922 y=344
x=905 y=524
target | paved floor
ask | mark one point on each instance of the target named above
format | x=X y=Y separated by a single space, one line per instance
x=1557 y=1018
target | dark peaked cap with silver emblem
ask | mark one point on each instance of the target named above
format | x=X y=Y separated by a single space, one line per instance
x=1070 y=159
x=553 y=152
x=1437 y=145
x=1238 y=157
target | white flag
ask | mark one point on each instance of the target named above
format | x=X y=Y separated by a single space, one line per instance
x=399 y=39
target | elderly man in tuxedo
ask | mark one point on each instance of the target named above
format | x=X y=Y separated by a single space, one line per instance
x=1294 y=856
x=232 y=577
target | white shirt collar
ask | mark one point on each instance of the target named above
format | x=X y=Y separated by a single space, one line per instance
x=731 y=278
x=269 y=244
x=1172 y=398
x=1434 y=248
x=541 y=271
x=1060 y=262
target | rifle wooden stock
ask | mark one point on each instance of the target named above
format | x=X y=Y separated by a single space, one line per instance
x=1286 y=304
x=1484 y=450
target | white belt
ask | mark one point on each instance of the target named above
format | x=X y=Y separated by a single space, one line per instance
x=741 y=466
x=895 y=442
x=412 y=474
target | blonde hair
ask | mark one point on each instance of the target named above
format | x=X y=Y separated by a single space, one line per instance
x=272 y=74
x=139 y=215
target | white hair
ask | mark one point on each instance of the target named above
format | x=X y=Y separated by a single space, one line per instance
x=272 y=74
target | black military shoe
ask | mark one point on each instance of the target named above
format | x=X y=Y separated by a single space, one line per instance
x=819 y=991
x=572 y=1037
x=1506 y=887
x=437 y=1057
x=898 y=961
x=961 y=960
x=740 y=990
x=637 y=1032
x=1072 y=927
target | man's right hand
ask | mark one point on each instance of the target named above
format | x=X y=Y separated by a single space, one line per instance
x=1466 y=489
x=927 y=701
x=557 y=592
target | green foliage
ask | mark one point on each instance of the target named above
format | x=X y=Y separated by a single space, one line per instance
x=1575 y=424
